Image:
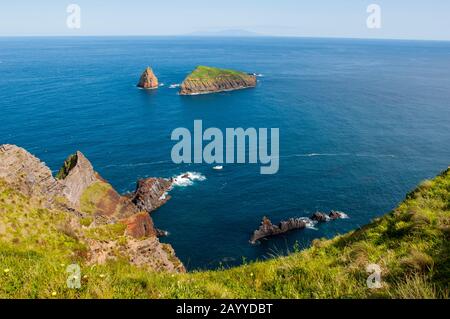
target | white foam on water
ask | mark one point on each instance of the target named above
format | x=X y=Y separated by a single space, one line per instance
x=343 y=215
x=161 y=84
x=187 y=179
x=310 y=224
x=173 y=86
x=218 y=167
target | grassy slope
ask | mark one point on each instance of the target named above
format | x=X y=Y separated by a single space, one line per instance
x=410 y=244
x=205 y=73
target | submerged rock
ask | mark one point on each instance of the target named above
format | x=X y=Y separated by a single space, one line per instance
x=148 y=80
x=319 y=217
x=336 y=215
x=322 y=217
x=204 y=80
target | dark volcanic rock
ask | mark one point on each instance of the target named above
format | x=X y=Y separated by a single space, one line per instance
x=268 y=229
x=319 y=217
x=150 y=193
x=335 y=215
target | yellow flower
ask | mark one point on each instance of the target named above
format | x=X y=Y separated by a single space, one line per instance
x=62 y=265
x=102 y=276
x=54 y=293
x=85 y=276
x=6 y=270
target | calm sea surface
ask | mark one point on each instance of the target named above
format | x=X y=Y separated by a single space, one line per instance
x=361 y=123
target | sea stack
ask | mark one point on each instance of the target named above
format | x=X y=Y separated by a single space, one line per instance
x=148 y=79
x=267 y=229
x=204 y=80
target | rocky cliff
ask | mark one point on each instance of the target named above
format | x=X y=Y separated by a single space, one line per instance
x=148 y=80
x=76 y=175
x=204 y=80
x=27 y=174
x=97 y=214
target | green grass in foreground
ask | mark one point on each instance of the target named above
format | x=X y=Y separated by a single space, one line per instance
x=410 y=244
x=210 y=73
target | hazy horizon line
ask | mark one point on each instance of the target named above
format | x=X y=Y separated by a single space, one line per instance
x=214 y=36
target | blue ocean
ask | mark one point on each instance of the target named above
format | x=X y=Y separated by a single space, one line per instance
x=361 y=123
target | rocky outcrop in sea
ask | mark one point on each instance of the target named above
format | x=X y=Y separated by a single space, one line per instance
x=151 y=193
x=267 y=229
x=204 y=80
x=148 y=79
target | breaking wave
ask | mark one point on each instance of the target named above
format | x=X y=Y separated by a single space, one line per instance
x=343 y=215
x=187 y=179
x=310 y=224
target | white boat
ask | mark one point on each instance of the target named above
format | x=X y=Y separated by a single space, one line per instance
x=218 y=167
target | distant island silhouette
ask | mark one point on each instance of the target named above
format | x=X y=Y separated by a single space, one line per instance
x=225 y=33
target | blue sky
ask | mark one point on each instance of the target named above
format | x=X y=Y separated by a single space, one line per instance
x=401 y=19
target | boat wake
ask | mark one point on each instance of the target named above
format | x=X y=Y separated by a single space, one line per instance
x=137 y=164
x=338 y=154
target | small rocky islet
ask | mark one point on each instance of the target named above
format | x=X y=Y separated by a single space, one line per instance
x=267 y=229
x=204 y=80
x=148 y=80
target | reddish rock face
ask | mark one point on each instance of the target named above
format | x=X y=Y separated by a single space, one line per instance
x=140 y=225
x=148 y=80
